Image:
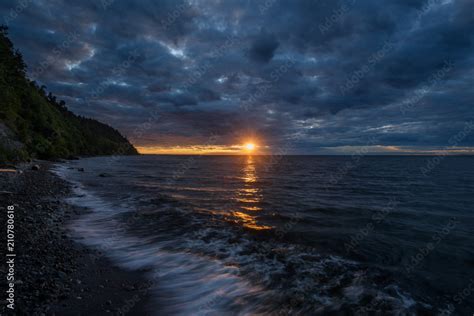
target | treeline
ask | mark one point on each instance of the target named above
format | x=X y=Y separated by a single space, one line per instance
x=34 y=124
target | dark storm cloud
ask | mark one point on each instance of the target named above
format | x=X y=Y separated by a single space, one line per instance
x=312 y=73
x=263 y=48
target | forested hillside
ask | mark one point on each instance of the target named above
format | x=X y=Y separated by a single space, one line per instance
x=34 y=124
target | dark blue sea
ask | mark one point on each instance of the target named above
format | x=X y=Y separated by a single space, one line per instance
x=285 y=235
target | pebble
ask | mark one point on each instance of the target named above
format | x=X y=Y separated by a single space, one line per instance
x=50 y=270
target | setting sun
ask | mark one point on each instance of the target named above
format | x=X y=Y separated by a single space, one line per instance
x=250 y=146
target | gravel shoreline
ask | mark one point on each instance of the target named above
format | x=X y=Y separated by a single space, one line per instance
x=55 y=275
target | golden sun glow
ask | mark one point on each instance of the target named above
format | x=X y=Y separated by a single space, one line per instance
x=245 y=147
x=250 y=146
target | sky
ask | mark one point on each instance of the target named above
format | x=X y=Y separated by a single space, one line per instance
x=293 y=77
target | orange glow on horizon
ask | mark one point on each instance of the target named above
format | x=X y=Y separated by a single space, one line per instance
x=246 y=148
x=188 y=150
x=242 y=149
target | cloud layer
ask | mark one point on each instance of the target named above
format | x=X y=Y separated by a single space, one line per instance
x=316 y=76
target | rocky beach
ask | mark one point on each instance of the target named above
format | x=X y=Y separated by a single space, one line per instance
x=54 y=274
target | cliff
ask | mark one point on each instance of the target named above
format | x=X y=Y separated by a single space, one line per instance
x=36 y=125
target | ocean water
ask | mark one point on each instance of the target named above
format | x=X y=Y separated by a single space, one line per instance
x=295 y=235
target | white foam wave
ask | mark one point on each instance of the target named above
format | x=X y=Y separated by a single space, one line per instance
x=182 y=283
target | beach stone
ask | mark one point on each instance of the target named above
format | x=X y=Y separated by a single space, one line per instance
x=51 y=265
x=35 y=167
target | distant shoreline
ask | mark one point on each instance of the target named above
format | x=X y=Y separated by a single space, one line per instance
x=55 y=274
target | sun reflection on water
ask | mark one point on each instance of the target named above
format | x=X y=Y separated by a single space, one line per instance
x=249 y=197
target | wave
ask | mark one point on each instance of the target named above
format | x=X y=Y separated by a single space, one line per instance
x=182 y=282
x=200 y=264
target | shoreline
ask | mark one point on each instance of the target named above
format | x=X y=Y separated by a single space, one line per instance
x=55 y=274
